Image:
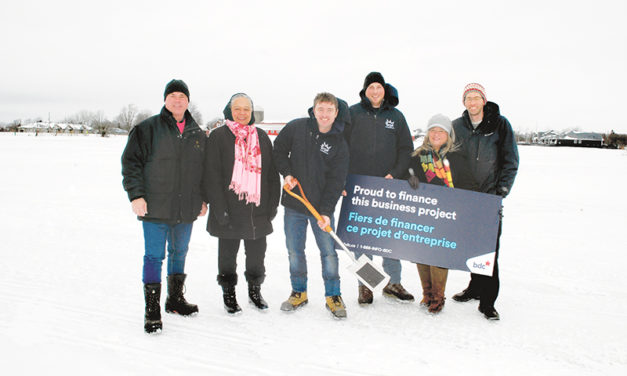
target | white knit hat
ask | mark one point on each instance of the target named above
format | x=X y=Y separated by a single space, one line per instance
x=441 y=121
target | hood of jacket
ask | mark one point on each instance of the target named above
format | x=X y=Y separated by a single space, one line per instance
x=342 y=120
x=228 y=114
x=389 y=101
x=491 y=112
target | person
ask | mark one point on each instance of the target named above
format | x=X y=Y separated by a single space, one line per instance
x=437 y=161
x=313 y=151
x=243 y=188
x=162 y=170
x=491 y=147
x=380 y=144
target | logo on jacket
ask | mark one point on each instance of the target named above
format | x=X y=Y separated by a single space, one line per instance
x=389 y=124
x=325 y=148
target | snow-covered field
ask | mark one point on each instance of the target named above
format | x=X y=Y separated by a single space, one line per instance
x=71 y=293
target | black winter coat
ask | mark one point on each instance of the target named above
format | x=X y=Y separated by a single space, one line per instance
x=491 y=149
x=242 y=221
x=460 y=171
x=379 y=139
x=165 y=168
x=318 y=160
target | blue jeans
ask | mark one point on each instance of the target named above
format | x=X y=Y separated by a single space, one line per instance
x=390 y=266
x=155 y=237
x=295 y=224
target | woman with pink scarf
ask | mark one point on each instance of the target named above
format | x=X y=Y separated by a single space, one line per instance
x=243 y=190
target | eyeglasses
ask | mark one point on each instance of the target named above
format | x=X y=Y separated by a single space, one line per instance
x=473 y=99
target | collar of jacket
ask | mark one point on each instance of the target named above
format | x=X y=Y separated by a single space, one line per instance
x=169 y=118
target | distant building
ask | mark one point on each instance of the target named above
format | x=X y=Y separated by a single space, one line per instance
x=583 y=139
x=49 y=127
x=271 y=129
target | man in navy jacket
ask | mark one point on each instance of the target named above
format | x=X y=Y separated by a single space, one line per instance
x=313 y=151
x=380 y=144
x=488 y=140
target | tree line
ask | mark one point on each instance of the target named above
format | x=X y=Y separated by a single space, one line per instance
x=128 y=117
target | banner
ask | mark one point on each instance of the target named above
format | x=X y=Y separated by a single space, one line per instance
x=434 y=225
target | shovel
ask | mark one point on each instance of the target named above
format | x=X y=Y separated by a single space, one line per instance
x=369 y=273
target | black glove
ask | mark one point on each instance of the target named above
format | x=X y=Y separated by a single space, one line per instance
x=223 y=219
x=413 y=180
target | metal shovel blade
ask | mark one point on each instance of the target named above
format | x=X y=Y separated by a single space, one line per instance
x=369 y=273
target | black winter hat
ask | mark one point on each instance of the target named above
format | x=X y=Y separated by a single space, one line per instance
x=374 y=77
x=176 y=85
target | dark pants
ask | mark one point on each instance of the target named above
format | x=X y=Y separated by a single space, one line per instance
x=487 y=287
x=227 y=261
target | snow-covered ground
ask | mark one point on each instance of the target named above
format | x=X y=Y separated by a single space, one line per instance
x=71 y=293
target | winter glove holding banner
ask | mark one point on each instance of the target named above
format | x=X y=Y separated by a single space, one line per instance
x=365 y=270
x=413 y=180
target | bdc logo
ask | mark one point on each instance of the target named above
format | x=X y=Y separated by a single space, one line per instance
x=481 y=265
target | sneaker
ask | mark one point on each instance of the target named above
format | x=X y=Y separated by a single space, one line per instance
x=465 y=296
x=296 y=300
x=335 y=304
x=489 y=313
x=365 y=295
x=397 y=291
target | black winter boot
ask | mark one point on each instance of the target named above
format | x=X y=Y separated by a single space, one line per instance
x=230 y=301
x=176 y=303
x=228 y=282
x=152 y=316
x=465 y=295
x=254 y=294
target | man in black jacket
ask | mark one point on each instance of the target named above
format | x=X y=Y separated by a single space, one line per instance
x=313 y=151
x=488 y=139
x=162 y=167
x=380 y=145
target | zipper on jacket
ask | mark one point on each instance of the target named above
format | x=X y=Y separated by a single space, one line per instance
x=179 y=158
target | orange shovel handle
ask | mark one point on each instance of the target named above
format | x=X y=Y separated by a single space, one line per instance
x=305 y=202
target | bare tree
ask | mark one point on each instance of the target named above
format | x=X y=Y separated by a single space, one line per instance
x=126 y=117
x=193 y=109
x=94 y=119
x=100 y=123
x=82 y=117
x=141 y=116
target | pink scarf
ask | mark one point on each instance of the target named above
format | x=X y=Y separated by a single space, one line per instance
x=246 y=179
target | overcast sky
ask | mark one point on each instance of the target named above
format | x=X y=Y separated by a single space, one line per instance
x=548 y=64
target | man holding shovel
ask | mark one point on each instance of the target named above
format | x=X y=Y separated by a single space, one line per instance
x=313 y=151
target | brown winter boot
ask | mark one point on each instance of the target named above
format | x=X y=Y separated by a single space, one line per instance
x=398 y=292
x=424 y=272
x=365 y=295
x=438 y=281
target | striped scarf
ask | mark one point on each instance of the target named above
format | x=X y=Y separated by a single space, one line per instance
x=434 y=166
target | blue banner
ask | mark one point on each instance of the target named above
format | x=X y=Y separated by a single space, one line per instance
x=434 y=225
